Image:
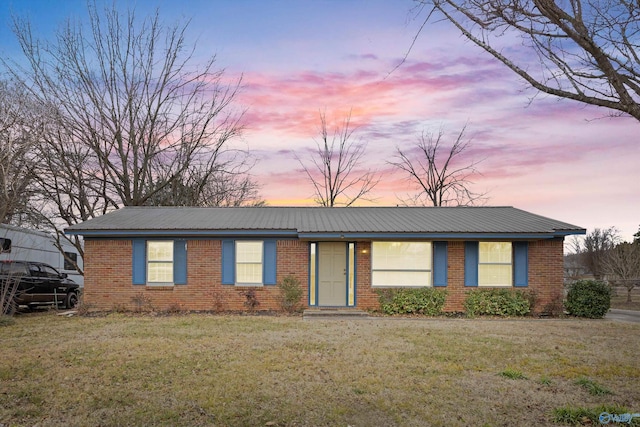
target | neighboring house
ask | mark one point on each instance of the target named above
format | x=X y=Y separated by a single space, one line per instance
x=23 y=244
x=208 y=258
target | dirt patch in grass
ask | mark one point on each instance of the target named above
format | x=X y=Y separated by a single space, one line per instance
x=197 y=370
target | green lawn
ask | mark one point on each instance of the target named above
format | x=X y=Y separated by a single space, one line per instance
x=192 y=370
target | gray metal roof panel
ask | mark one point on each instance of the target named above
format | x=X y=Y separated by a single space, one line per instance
x=327 y=220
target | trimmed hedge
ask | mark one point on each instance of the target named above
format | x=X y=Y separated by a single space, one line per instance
x=588 y=298
x=427 y=301
x=498 y=302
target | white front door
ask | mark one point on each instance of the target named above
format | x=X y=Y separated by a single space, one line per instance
x=332 y=274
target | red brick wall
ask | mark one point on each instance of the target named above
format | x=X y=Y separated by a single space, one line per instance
x=108 y=282
x=546 y=271
x=366 y=297
x=456 y=291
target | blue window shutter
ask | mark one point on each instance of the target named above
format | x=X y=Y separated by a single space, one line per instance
x=228 y=262
x=520 y=264
x=440 y=263
x=139 y=261
x=269 y=262
x=180 y=262
x=471 y=259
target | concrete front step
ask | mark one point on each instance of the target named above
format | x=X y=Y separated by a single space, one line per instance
x=334 y=313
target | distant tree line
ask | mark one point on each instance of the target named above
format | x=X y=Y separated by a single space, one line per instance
x=603 y=254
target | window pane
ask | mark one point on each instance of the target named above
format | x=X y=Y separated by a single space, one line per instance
x=351 y=278
x=248 y=251
x=401 y=255
x=401 y=278
x=69 y=263
x=312 y=275
x=160 y=272
x=249 y=273
x=494 y=275
x=160 y=251
x=495 y=252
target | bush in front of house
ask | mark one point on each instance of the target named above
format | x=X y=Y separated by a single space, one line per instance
x=588 y=298
x=498 y=302
x=426 y=301
x=290 y=294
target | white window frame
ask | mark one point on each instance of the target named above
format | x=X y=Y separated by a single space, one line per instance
x=151 y=262
x=489 y=264
x=260 y=264
x=427 y=267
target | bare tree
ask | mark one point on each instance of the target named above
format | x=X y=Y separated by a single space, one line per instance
x=223 y=188
x=594 y=249
x=622 y=266
x=129 y=116
x=18 y=129
x=587 y=51
x=333 y=169
x=439 y=175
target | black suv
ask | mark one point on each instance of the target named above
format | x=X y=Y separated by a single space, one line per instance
x=37 y=283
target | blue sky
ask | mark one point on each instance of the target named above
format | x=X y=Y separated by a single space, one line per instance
x=553 y=157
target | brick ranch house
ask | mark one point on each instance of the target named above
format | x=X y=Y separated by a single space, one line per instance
x=207 y=258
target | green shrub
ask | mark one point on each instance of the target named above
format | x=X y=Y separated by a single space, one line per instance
x=588 y=298
x=290 y=293
x=427 y=301
x=498 y=302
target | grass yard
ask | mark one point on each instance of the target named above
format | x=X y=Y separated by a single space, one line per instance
x=201 y=370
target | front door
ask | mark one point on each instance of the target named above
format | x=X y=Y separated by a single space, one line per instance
x=332 y=274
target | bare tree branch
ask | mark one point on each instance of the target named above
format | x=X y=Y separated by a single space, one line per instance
x=333 y=170
x=622 y=266
x=130 y=119
x=587 y=51
x=441 y=180
x=20 y=125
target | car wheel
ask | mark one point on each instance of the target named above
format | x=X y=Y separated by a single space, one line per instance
x=72 y=300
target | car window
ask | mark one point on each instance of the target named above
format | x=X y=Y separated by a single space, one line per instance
x=14 y=268
x=49 y=271
x=35 y=270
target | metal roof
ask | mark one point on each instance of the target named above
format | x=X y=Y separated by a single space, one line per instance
x=319 y=222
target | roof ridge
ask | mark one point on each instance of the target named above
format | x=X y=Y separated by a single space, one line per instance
x=318 y=207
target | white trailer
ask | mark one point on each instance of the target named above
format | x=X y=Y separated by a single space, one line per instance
x=23 y=244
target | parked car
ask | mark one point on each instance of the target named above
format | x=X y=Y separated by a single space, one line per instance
x=37 y=283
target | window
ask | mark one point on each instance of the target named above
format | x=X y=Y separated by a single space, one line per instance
x=495 y=264
x=401 y=264
x=351 y=278
x=312 y=273
x=70 y=260
x=47 y=271
x=5 y=245
x=160 y=262
x=249 y=257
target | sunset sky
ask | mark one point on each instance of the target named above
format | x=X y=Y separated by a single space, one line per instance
x=553 y=157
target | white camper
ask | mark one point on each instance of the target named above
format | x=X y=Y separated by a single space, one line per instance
x=22 y=244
